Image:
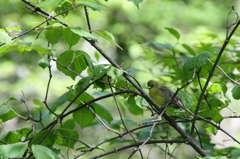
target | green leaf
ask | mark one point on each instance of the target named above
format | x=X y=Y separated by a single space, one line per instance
x=42 y=51
x=173 y=32
x=16 y=28
x=122 y=83
x=65 y=6
x=41 y=152
x=51 y=3
x=60 y=101
x=235 y=153
x=217 y=87
x=189 y=100
x=214 y=88
x=114 y=72
x=24 y=48
x=44 y=62
x=83 y=117
x=65 y=137
x=102 y=112
x=89 y=3
x=12 y=150
x=49 y=140
x=212 y=113
x=82 y=83
x=5 y=38
x=211 y=129
x=38 y=102
x=100 y=71
x=136 y=2
x=10 y=137
x=75 y=61
x=236 y=92
x=7 y=48
x=133 y=107
x=158 y=45
x=108 y=36
x=6 y=111
x=197 y=61
x=84 y=97
x=69 y=124
x=53 y=35
x=83 y=33
x=133 y=71
x=70 y=37
x=189 y=49
x=88 y=61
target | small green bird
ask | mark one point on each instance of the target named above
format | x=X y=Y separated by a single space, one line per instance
x=162 y=95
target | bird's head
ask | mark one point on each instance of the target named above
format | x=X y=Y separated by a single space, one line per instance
x=152 y=84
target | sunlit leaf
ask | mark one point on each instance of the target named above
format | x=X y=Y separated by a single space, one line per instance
x=108 y=36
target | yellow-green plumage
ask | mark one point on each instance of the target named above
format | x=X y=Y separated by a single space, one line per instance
x=162 y=94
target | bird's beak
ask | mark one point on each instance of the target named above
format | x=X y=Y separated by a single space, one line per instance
x=149 y=87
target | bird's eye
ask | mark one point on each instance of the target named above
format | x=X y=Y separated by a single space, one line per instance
x=152 y=86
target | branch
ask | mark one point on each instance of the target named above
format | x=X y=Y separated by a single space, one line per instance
x=138 y=144
x=212 y=71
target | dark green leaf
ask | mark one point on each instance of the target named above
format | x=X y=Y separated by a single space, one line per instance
x=49 y=140
x=65 y=136
x=114 y=72
x=83 y=117
x=158 y=45
x=136 y=2
x=10 y=137
x=121 y=83
x=189 y=49
x=60 y=101
x=44 y=62
x=173 y=32
x=74 y=61
x=100 y=71
x=102 y=112
x=88 y=61
x=65 y=6
x=82 y=84
x=133 y=107
x=212 y=113
x=69 y=124
x=197 y=61
x=236 y=92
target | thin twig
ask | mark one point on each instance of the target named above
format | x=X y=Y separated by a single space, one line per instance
x=105 y=125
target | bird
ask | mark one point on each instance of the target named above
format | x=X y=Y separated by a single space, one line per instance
x=162 y=95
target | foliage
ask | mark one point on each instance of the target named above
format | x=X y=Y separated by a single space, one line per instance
x=107 y=99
